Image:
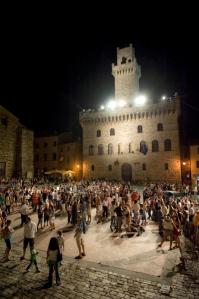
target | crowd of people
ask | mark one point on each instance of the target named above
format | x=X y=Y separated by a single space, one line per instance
x=127 y=210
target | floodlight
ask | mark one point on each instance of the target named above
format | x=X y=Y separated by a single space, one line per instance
x=140 y=100
x=111 y=105
x=122 y=103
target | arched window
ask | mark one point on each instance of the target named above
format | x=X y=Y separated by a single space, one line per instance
x=155 y=146
x=143 y=166
x=110 y=149
x=120 y=151
x=139 y=129
x=167 y=145
x=92 y=167
x=160 y=127
x=143 y=147
x=112 y=132
x=100 y=149
x=91 y=150
x=98 y=133
x=110 y=167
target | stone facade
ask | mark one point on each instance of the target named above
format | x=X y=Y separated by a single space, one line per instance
x=16 y=147
x=58 y=152
x=132 y=143
x=194 y=161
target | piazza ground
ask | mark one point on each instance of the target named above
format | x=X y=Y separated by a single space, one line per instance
x=114 y=267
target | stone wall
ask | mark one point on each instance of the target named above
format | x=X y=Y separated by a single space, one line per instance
x=13 y=145
x=8 y=140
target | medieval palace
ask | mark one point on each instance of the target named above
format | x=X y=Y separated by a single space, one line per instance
x=128 y=139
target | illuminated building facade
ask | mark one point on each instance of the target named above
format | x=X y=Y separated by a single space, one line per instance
x=129 y=141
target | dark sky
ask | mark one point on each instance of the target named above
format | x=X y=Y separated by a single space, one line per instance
x=51 y=65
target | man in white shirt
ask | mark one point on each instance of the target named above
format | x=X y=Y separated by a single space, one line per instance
x=24 y=212
x=30 y=229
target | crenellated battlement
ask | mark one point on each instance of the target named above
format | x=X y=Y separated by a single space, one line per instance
x=161 y=109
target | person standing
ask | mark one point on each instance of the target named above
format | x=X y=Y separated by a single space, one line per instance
x=24 y=211
x=79 y=238
x=7 y=235
x=53 y=259
x=40 y=215
x=30 y=229
x=60 y=240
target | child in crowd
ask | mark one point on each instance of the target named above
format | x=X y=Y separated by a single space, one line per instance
x=33 y=260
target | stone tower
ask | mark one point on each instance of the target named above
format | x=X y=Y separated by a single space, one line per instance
x=126 y=73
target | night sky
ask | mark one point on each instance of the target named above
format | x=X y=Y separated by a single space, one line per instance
x=52 y=67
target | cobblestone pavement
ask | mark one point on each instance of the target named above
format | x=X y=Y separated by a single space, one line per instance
x=83 y=279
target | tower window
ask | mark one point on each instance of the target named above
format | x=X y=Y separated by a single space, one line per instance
x=167 y=145
x=54 y=156
x=91 y=150
x=197 y=164
x=166 y=166
x=143 y=147
x=131 y=148
x=120 y=152
x=155 y=146
x=123 y=60
x=160 y=127
x=54 y=143
x=112 y=132
x=98 y=133
x=144 y=166
x=139 y=129
x=110 y=149
x=100 y=149
x=92 y=167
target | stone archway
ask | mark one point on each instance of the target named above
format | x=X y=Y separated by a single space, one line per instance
x=126 y=170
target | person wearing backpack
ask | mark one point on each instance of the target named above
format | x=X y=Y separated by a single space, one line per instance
x=7 y=235
x=81 y=228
